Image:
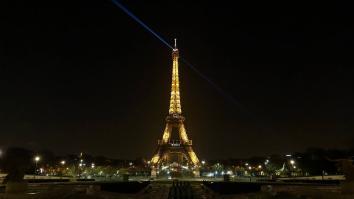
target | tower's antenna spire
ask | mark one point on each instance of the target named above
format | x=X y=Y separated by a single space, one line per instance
x=175 y=43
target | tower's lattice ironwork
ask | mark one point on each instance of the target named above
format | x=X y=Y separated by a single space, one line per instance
x=177 y=152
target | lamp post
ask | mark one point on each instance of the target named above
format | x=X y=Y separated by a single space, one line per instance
x=36 y=160
x=62 y=169
x=293 y=167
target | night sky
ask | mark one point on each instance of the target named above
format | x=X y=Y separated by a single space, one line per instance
x=82 y=76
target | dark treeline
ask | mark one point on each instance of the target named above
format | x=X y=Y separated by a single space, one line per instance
x=313 y=161
x=25 y=159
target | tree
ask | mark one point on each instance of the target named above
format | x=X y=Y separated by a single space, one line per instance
x=16 y=161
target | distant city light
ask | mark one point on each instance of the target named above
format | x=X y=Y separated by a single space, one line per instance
x=246 y=164
x=266 y=162
x=292 y=162
x=93 y=165
x=130 y=163
x=288 y=155
x=62 y=162
x=249 y=167
x=259 y=166
x=203 y=162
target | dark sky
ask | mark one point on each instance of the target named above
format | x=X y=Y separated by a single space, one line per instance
x=83 y=76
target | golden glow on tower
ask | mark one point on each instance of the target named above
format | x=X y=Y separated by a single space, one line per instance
x=168 y=148
x=166 y=134
x=183 y=134
x=175 y=101
x=193 y=157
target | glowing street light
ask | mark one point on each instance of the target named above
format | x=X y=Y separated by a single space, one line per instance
x=203 y=162
x=93 y=165
x=36 y=160
x=292 y=162
x=259 y=166
x=62 y=164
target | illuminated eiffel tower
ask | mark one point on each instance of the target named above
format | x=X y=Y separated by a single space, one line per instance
x=175 y=155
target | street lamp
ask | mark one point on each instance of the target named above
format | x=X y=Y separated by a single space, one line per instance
x=62 y=164
x=36 y=160
x=292 y=162
x=203 y=162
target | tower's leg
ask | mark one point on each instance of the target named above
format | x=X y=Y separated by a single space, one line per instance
x=192 y=156
x=182 y=133
x=167 y=133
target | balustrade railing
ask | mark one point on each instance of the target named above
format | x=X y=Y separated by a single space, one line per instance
x=174 y=142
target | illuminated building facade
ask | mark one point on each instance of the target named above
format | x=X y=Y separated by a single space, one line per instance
x=175 y=155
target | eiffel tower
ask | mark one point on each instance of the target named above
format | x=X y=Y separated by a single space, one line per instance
x=175 y=155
